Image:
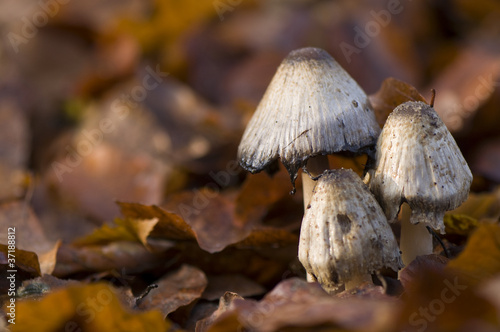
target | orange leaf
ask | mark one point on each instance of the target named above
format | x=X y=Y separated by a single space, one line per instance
x=83 y=308
x=481 y=257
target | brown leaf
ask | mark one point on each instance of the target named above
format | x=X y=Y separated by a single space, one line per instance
x=480 y=259
x=211 y=218
x=132 y=256
x=225 y=304
x=29 y=233
x=84 y=308
x=135 y=230
x=218 y=285
x=175 y=290
x=414 y=270
x=439 y=301
x=20 y=263
x=258 y=193
x=170 y=225
x=391 y=94
x=48 y=259
x=296 y=304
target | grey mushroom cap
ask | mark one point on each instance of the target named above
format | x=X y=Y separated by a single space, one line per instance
x=419 y=162
x=344 y=232
x=311 y=107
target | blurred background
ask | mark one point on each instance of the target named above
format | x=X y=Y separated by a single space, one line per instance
x=135 y=100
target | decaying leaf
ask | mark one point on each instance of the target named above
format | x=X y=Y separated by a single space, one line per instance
x=480 y=259
x=437 y=300
x=175 y=290
x=19 y=263
x=218 y=285
x=391 y=94
x=125 y=230
x=29 y=232
x=84 y=308
x=296 y=303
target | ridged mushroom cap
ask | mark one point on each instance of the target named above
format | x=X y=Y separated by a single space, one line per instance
x=311 y=107
x=344 y=231
x=419 y=162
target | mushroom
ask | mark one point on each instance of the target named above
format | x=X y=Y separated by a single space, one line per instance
x=418 y=162
x=311 y=108
x=345 y=235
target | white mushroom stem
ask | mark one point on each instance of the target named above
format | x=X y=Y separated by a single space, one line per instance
x=315 y=166
x=415 y=239
x=356 y=281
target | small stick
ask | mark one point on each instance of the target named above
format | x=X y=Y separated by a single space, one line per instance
x=433 y=97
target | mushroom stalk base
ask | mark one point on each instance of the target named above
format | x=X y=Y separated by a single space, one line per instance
x=316 y=166
x=358 y=280
x=415 y=239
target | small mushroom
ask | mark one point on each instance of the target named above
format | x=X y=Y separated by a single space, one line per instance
x=311 y=108
x=418 y=162
x=345 y=235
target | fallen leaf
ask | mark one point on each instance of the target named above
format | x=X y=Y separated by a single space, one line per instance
x=436 y=300
x=225 y=304
x=84 y=308
x=480 y=206
x=391 y=94
x=48 y=259
x=480 y=259
x=20 y=263
x=413 y=271
x=305 y=306
x=218 y=285
x=459 y=224
x=135 y=230
x=169 y=225
x=131 y=256
x=29 y=233
x=175 y=290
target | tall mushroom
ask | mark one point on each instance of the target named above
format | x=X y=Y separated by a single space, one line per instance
x=311 y=108
x=345 y=235
x=418 y=162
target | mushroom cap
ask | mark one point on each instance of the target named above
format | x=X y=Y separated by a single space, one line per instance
x=311 y=107
x=344 y=232
x=419 y=162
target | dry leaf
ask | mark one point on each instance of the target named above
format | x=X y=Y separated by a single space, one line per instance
x=19 y=263
x=125 y=230
x=175 y=290
x=480 y=259
x=48 y=259
x=391 y=94
x=218 y=285
x=83 y=308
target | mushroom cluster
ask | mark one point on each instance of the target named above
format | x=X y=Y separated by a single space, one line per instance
x=313 y=108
